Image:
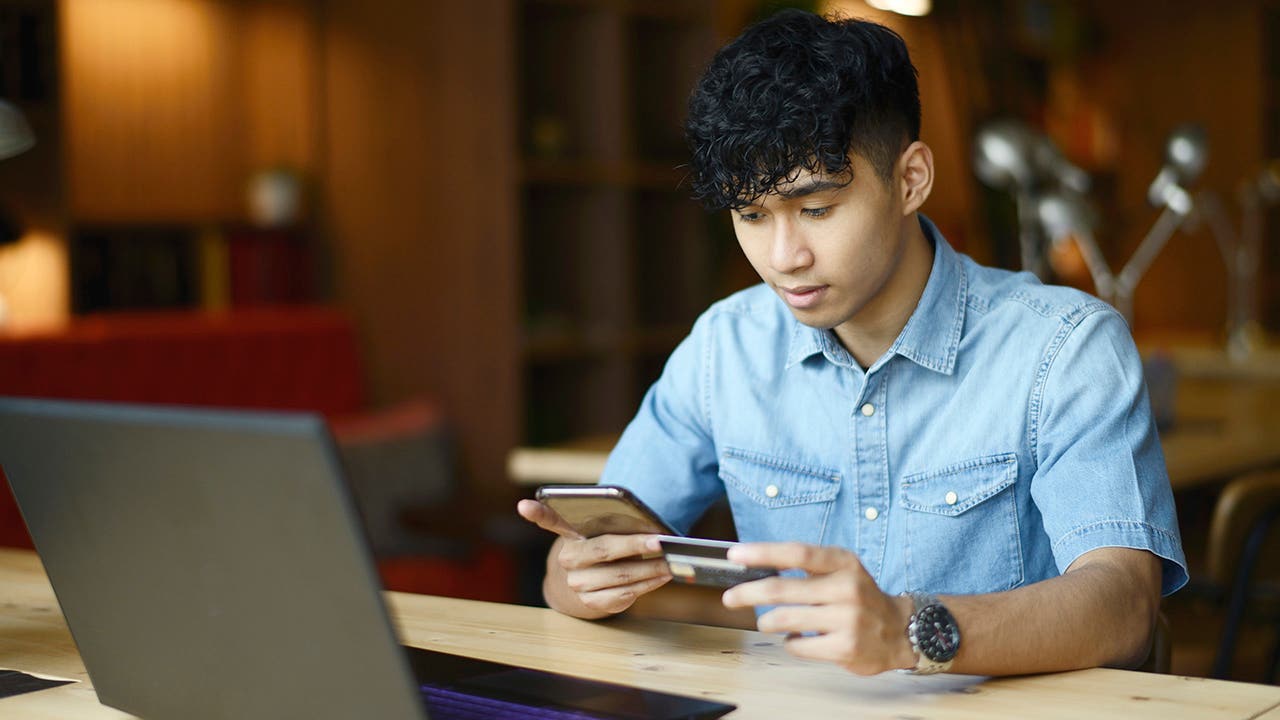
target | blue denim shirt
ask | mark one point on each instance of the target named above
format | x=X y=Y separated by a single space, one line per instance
x=1003 y=434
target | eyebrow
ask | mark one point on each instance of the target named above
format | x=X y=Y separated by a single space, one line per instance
x=811 y=188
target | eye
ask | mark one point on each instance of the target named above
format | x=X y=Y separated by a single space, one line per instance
x=818 y=212
x=749 y=217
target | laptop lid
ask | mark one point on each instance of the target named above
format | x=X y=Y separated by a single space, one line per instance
x=188 y=549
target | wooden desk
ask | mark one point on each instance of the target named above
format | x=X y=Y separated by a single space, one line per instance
x=747 y=668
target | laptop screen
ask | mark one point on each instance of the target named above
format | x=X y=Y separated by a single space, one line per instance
x=210 y=564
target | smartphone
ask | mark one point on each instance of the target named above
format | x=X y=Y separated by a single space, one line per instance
x=602 y=510
x=706 y=562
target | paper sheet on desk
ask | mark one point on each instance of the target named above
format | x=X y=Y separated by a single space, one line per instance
x=17 y=682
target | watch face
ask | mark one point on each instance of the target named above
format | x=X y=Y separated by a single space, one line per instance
x=936 y=633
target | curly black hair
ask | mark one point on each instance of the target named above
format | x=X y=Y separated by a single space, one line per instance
x=799 y=92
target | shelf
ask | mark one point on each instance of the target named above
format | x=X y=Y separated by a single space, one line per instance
x=645 y=175
x=572 y=399
x=664 y=61
x=617 y=259
x=574 y=257
x=570 y=81
x=689 y=11
x=549 y=345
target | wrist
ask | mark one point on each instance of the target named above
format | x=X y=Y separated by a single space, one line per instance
x=904 y=657
x=933 y=633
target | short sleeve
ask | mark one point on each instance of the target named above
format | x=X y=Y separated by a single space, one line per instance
x=667 y=456
x=1101 y=479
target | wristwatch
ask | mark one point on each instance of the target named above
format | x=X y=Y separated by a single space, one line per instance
x=934 y=634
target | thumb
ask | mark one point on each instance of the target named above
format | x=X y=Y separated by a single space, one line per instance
x=546 y=518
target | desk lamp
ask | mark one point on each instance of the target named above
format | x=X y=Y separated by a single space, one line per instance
x=1186 y=154
x=1010 y=156
x=1240 y=253
x=1065 y=216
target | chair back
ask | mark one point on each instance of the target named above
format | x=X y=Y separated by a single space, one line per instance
x=1243 y=504
x=1160 y=657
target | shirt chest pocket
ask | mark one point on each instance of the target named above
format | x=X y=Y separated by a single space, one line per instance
x=775 y=499
x=962 y=527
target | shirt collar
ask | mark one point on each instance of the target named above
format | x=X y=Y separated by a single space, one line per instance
x=931 y=336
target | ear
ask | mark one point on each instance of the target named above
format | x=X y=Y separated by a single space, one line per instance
x=916 y=172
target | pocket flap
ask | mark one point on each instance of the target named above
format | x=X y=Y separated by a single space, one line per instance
x=956 y=488
x=775 y=482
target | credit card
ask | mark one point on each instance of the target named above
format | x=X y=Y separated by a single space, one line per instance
x=705 y=562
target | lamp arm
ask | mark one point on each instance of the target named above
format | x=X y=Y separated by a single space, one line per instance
x=1210 y=208
x=1029 y=234
x=1103 y=280
x=1164 y=228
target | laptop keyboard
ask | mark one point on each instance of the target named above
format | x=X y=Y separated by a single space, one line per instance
x=449 y=704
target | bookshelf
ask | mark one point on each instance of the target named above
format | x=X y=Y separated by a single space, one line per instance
x=617 y=260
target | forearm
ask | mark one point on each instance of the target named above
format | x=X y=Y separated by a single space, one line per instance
x=1100 y=612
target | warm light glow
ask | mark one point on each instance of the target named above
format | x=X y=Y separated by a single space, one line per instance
x=914 y=8
x=34 y=282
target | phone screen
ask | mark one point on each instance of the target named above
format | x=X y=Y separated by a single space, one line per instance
x=599 y=510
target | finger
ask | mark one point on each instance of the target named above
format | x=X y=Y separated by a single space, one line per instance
x=616 y=574
x=615 y=600
x=813 y=559
x=767 y=591
x=606 y=548
x=828 y=648
x=545 y=518
x=804 y=619
x=857 y=657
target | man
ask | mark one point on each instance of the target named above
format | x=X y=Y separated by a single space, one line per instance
x=885 y=415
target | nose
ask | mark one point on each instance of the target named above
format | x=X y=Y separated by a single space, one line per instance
x=790 y=249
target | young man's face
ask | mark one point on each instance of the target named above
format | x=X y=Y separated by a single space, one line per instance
x=827 y=248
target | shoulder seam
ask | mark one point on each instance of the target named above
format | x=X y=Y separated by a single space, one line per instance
x=1035 y=402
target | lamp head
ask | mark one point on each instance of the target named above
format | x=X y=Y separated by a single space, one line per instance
x=1009 y=155
x=1267 y=183
x=1064 y=215
x=1187 y=151
x=1185 y=155
x=1002 y=155
x=15 y=134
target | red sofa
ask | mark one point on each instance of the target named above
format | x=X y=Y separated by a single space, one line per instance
x=288 y=358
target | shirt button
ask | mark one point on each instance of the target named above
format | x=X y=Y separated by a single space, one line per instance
x=868 y=410
x=771 y=491
x=872 y=513
x=951 y=498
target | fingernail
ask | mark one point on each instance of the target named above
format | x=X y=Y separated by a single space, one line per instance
x=652 y=544
x=735 y=554
x=727 y=598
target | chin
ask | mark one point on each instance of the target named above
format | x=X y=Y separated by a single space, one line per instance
x=815 y=319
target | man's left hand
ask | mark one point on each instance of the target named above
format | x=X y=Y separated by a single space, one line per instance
x=837 y=613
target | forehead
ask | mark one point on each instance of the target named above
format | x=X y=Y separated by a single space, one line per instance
x=803 y=182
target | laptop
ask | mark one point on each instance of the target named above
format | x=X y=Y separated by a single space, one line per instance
x=211 y=564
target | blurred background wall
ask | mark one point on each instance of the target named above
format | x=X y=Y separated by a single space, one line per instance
x=492 y=188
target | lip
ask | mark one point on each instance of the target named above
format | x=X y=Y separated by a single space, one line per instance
x=802 y=296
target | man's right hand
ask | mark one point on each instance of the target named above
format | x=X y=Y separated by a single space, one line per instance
x=595 y=577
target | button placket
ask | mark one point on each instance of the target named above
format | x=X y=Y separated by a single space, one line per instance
x=871 y=446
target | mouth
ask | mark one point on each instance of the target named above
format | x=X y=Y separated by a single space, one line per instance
x=802 y=296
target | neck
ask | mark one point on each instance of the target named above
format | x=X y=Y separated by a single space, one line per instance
x=870 y=333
